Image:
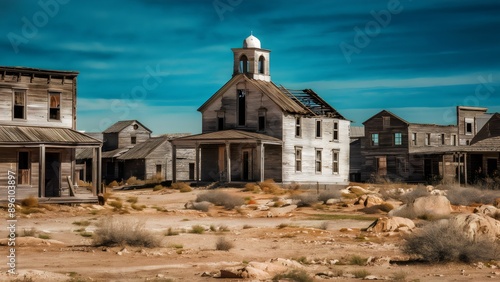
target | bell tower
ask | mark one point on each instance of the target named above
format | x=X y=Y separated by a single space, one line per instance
x=252 y=60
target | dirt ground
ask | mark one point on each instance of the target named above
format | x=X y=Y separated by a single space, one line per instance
x=323 y=239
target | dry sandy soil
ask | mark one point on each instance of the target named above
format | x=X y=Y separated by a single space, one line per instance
x=323 y=240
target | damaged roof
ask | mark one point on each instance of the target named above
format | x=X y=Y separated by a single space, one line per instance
x=44 y=135
x=122 y=124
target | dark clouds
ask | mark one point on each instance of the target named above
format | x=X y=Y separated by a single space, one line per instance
x=430 y=55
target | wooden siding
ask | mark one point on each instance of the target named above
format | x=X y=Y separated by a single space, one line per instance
x=435 y=132
x=309 y=143
x=209 y=163
x=37 y=100
x=467 y=113
x=255 y=99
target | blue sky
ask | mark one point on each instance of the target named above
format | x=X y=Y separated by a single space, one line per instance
x=157 y=61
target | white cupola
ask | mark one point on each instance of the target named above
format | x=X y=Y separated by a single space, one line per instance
x=252 y=60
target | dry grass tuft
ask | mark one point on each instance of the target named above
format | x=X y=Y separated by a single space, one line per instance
x=268 y=186
x=30 y=202
x=223 y=244
x=182 y=187
x=113 y=232
x=220 y=198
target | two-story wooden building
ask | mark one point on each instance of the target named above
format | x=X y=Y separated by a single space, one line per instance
x=38 y=136
x=253 y=129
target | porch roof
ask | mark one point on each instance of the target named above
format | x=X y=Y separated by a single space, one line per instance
x=223 y=136
x=18 y=135
x=431 y=150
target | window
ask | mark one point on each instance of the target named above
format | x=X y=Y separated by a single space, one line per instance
x=453 y=140
x=398 y=139
x=298 y=130
x=468 y=126
x=375 y=139
x=318 y=128
x=241 y=107
x=135 y=126
x=244 y=65
x=133 y=140
x=318 y=160
x=158 y=169
x=298 y=158
x=414 y=139
x=261 y=64
x=335 y=166
x=427 y=139
x=402 y=166
x=54 y=106
x=386 y=122
x=19 y=109
x=335 y=131
x=23 y=167
x=262 y=119
x=442 y=139
x=220 y=120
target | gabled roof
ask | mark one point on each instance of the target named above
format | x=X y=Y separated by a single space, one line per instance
x=489 y=135
x=143 y=149
x=291 y=101
x=385 y=113
x=44 y=135
x=357 y=131
x=122 y=124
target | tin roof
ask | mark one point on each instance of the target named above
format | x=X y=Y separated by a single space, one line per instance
x=122 y=124
x=143 y=149
x=44 y=135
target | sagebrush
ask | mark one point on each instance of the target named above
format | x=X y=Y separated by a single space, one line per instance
x=220 y=198
x=113 y=232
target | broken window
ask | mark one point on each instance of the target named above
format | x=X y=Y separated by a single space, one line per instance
x=375 y=139
x=298 y=158
x=469 y=126
x=54 y=106
x=427 y=139
x=19 y=110
x=414 y=139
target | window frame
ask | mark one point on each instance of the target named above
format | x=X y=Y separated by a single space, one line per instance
x=298 y=127
x=318 y=128
x=427 y=141
x=373 y=143
x=318 y=160
x=398 y=139
x=298 y=159
x=335 y=131
x=335 y=161
x=23 y=92
x=50 y=108
x=241 y=109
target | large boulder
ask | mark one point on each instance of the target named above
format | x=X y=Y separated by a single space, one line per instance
x=373 y=200
x=487 y=210
x=428 y=206
x=391 y=224
x=477 y=226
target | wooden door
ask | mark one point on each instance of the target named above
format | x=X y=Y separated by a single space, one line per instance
x=52 y=174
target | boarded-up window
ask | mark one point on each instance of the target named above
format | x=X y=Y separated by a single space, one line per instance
x=298 y=158
x=386 y=122
x=318 y=160
x=19 y=109
x=54 y=106
x=382 y=166
x=427 y=139
x=401 y=166
x=335 y=165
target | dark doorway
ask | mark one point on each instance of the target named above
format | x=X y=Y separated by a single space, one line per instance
x=191 y=171
x=246 y=165
x=23 y=167
x=427 y=169
x=476 y=172
x=52 y=175
x=492 y=166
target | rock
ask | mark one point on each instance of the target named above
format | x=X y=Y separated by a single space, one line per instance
x=373 y=200
x=428 y=206
x=429 y=188
x=361 y=199
x=282 y=211
x=330 y=202
x=371 y=277
x=255 y=273
x=286 y=262
x=486 y=210
x=390 y=224
x=357 y=190
x=269 y=267
x=437 y=192
x=262 y=208
x=496 y=203
x=476 y=226
x=229 y=274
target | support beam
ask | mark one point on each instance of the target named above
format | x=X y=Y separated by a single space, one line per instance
x=465 y=169
x=95 y=187
x=459 y=169
x=228 y=162
x=41 y=172
x=99 y=171
x=197 y=162
x=260 y=159
x=174 y=163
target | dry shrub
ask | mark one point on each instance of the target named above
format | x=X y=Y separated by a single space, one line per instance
x=306 y=199
x=157 y=178
x=30 y=202
x=134 y=181
x=29 y=232
x=357 y=260
x=441 y=241
x=252 y=187
x=327 y=195
x=360 y=274
x=294 y=275
x=113 y=184
x=112 y=232
x=138 y=207
x=157 y=187
x=116 y=204
x=82 y=183
x=220 y=198
x=466 y=196
x=201 y=206
x=223 y=244
x=270 y=187
x=132 y=199
x=182 y=187
x=197 y=229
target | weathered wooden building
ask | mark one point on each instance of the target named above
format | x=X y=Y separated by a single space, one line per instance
x=253 y=129
x=129 y=150
x=38 y=136
x=396 y=149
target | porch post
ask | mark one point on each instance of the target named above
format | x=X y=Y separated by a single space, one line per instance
x=465 y=169
x=197 y=160
x=228 y=161
x=459 y=170
x=95 y=183
x=444 y=169
x=99 y=170
x=260 y=158
x=41 y=172
x=174 y=163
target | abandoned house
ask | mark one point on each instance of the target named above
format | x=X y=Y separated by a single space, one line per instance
x=38 y=136
x=396 y=149
x=253 y=129
x=129 y=150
